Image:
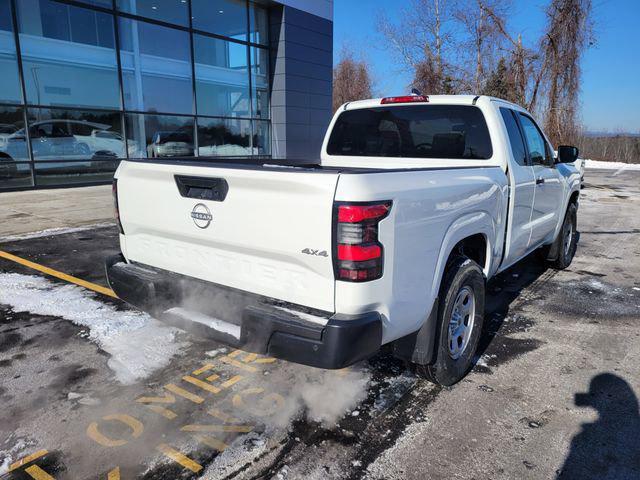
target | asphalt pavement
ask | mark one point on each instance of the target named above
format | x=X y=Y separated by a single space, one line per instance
x=92 y=389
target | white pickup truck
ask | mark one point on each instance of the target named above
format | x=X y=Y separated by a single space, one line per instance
x=417 y=201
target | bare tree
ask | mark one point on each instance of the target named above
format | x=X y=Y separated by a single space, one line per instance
x=523 y=64
x=421 y=42
x=455 y=46
x=614 y=147
x=569 y=31
x=351 y=80
x=479 y=22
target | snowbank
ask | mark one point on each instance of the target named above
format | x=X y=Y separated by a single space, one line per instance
x=611 y=165
x=138 y=344
x=54 y=231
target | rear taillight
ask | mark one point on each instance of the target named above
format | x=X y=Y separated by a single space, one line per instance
x=114 y=190
x=358 y=253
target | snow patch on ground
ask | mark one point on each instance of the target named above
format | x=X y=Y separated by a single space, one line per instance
x=394 y=390
x=611 y=165
x=242 y=451
x=138 y=344
x=13 y=453
x=216 y=352
x=54 y=231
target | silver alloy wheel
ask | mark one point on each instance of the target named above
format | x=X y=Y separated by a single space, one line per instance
x=568 y=237
x=461 y=322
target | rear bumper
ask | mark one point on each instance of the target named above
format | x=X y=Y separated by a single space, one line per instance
x=251 y=322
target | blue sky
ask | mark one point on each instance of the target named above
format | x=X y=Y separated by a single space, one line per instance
x=610 y=97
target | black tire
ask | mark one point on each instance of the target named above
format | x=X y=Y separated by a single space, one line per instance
x=461 y=276
x=566 y=251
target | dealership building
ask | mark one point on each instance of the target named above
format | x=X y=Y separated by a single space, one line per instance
x=86 y=83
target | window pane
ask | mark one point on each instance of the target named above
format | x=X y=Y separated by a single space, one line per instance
x=261 y=138
x=224 y=17
x=99 y=3
x=74 y=135
x=417 y=131
x=68 y=173
x=150 y=136
x=9 y=79
x=224 y=137
x=156 y=68
x=260 y=82
x=258 y=25
x=15 y=175
x=12 y=136
x=515 y=137
x=222 y=77
x=170 y=11
x=68 y=55
x=535 y=140
x=12 y=173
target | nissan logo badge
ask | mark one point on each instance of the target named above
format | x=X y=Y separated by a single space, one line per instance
x=201 y=216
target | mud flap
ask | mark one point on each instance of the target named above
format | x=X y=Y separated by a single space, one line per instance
x=419 y=347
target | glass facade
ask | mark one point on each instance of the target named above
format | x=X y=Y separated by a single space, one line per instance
x=86 y=83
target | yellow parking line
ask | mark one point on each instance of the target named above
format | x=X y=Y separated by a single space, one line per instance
x=57 y=274
x=27 y=459
x=37 y=473
x=180 y=458
x=217 y=428
x=199 y=383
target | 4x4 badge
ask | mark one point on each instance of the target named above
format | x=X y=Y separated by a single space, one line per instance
x=317 y=253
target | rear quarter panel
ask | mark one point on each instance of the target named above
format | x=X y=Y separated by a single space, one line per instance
x=432 y=211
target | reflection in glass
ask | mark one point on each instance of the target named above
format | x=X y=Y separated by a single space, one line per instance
x=9 y=79
x=170 y=11
x=12 y=173
x=223 y=17
x=73 y=135
x=222 y=77
x=90 y=171
x=258 y=25
x=68 y=55
x=150 y=136
x=99 y=3
x=156 y=68
x=15 y=175
x=261 y=138
x=260 y=82
x=224 y=137
x=12 y=132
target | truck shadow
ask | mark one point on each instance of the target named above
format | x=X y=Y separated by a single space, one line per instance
x=502 y=291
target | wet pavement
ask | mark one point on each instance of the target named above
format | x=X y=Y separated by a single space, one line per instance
x=87 y=395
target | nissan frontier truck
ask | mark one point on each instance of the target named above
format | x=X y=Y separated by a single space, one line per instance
x=390 y=238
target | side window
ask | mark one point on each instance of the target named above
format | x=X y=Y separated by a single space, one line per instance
x=515 y=137
x=535 y=141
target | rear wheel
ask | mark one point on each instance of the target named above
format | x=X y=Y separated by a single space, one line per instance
x=566 y=243
x=459 y=323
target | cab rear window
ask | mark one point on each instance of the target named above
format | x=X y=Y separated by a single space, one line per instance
x=456 y=132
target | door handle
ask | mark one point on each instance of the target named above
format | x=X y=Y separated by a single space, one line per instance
x=202 y=188
x=539 y=180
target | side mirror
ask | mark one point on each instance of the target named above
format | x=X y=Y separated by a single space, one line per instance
x=567 y=154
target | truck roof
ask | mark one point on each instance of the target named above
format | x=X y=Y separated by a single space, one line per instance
x=433 y=99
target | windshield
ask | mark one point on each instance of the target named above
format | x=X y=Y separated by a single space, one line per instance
x=413 y=131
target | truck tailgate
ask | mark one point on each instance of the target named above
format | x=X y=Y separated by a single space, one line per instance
x=251 y=239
